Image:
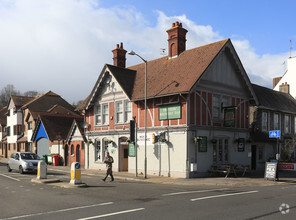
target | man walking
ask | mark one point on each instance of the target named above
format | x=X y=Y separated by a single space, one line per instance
x=108 y=161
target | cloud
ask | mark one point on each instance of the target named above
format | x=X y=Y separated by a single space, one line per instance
x=63 y=45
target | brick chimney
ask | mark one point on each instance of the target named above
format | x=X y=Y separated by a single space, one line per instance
x=276 y=80
x=119 y=56
x=176 y=39
x=285 y=88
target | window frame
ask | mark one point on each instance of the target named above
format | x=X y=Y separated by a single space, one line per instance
x=264 y=124
x=287 y=127
x=276 y=125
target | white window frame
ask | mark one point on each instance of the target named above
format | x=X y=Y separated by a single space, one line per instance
x=119 y=112
x=126 y=111
x=101 y=117
x=264 y=125
x=105 y=115
x=98 y=114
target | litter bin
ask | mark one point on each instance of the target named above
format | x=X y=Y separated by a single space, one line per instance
x=45 y=158
x=56 y=160
x=49 y=158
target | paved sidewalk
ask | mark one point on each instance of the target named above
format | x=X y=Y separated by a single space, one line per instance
x=254 y=179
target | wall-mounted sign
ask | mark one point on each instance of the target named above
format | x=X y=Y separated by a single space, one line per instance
x=131 y=150
x=202 y=144
x=241 y=145
x=172 y=111
x=229 y=117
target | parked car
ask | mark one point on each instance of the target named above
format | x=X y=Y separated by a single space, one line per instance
x=23 y=162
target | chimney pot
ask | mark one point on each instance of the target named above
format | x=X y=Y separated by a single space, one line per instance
x=176 y=39
x=119 y=56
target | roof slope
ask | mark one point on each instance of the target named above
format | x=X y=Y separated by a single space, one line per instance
x=3 y=117
x=58 y=124
x=125 y=78
x=274 y=100
x=178 y=75
x=45 y=102
x=20 y=100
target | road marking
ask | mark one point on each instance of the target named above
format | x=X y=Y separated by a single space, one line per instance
x=61 y=210
x=10 y=177
x=114 y=213
x=200 y=191
x=223 y=195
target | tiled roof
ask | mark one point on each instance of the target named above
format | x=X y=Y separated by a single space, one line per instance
x=125 y=77
x=20 y=100
x=3 y=117
x=274 y=100
x=82 y=105
x=172 y=76
x=58 y=124
x=46 y=102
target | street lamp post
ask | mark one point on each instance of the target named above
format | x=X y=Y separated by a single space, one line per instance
x=145 y=130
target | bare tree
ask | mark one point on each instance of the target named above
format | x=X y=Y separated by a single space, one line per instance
x=31 y=93
x=5 y=94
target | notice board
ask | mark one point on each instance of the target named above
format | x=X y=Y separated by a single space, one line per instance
x=270 y=170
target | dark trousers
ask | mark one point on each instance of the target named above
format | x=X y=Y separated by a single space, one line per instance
x=109 y=172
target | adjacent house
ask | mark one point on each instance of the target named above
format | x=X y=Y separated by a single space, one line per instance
x=50 y=133
x=3 y=139
x=287 y=78
x=274 y=111
x=197 y=103
x=14 y=129
x=22 y=114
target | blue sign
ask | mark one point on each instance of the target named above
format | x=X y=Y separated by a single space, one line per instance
x=274 y=134
x=77 y=166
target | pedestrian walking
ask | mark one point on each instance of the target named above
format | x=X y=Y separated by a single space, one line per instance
x=108 y=161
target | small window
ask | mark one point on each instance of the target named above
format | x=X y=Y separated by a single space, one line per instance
x=98 y=115
x=72 y=150
x=30 y=125
x=264 y=121
x=276 y=121
x=127 y=111
x=105 y=109
x=287 y=124
x=119 y=112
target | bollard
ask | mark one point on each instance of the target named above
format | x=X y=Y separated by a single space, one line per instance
x=75 y=173
x=41 y=170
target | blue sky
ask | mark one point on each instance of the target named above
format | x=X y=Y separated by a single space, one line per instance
x=62 y=45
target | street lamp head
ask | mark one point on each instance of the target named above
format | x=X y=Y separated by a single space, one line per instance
x=131 y=52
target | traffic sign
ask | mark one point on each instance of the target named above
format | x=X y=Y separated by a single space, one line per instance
x=274 y=134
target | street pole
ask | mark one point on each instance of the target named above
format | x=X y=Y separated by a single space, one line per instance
x=145 y=129
x=145 y=176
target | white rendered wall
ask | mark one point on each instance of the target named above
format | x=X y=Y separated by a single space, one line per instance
x=289 y=77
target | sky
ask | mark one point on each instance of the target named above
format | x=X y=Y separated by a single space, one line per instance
x=62 y=45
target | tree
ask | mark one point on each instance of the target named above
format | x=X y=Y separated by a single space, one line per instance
x=5 y=94
x=32 y=93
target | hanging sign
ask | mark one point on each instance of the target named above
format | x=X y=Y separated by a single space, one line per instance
x=229 y=117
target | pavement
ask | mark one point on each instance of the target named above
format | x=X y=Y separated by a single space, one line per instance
x=252 y=179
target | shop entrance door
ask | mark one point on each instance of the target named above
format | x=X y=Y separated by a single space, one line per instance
x=124 y=157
